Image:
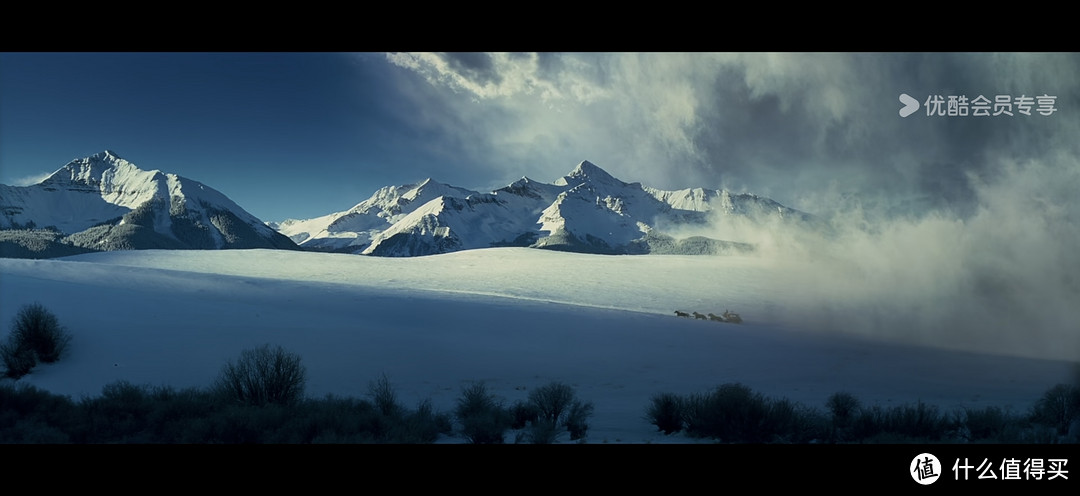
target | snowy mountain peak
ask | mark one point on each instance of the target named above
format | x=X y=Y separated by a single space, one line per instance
x=103 y=202
x=102 y=170
x=587 y=172
x=523 y=183
x=423 y=187
x=117 y=180
x=106 y=155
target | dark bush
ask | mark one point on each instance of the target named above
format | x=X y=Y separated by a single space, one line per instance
x=843 y=407
x=921 y=421
x=1058 y=407
x=125 y=413
x=385 y=398
x=732 y=413
x=37 y=328
x=522 y=414
x=917 y=423
x=552 y=401
x=422 y=426
x=666 y=412
x=18 y=359
x=177 y=413
x=32 y=415
x=577 y=419
x=543 y=431
x=264 y=376
x=790 y=422
x=33 y=431
x=36 y=335
x=391 y=422
x=119 y=415
x=482 y=416
x=989 y=423
x=336 y=420
x=557 y=407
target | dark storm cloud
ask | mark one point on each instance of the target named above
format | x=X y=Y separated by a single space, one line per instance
x=816 y=131
x=807 y=121
x=784 y=125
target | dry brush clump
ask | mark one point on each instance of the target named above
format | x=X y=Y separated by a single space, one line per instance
x=1059 y=408
x=18 y=360
x=483 y=418
x=666 y=412
x=556 y=407
x=264 y=376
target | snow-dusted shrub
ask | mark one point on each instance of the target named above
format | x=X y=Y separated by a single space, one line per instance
x=264 y=376
x=36 y=328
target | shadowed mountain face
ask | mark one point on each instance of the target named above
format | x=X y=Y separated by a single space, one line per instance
x=104 y=202
x=588 y=211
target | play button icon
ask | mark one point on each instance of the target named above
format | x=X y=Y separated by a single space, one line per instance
x=910 y=105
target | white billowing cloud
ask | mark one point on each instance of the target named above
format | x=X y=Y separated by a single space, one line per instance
x=1004 y=280
x=835 y=89
x=655 y=117
x=631 y=113
x=825 y=83
x=501 y=75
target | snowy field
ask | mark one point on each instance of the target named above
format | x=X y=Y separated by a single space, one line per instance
x=514 y=318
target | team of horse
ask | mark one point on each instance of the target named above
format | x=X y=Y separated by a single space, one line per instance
x=727 y=316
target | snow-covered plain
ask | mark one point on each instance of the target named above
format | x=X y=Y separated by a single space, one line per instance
x=515 y=318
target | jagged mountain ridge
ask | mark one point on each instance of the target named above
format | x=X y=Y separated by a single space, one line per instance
x=588 y=210
x=103 y=202
x=353 y=229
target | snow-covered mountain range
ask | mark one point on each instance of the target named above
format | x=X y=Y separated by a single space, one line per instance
x=588 y=211
x=103 y=202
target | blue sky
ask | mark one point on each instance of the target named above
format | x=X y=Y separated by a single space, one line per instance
x=299 y=135
x=277 y=132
